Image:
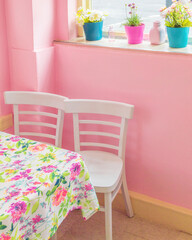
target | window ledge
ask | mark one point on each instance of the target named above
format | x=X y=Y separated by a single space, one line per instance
x=123 y=45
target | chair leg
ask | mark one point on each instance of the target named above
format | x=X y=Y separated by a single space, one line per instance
x=108 y=216
x=128 y=205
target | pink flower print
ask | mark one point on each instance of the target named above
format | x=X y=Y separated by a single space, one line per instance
x=59 y=196
x=1 y=153
x=30 y=191
x=37 y=219
x=75 y=170
x=88 y=187
x=36 y=183
x=70 y=158
x=48 y=169
x=15 y=139
x=16 y=210
x=17 y=162
x=11 y=195
x=37 y=148
x=34 y=229
x=17 y=177
x=5 y=237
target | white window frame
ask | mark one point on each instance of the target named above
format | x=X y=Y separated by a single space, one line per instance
x=87 y=4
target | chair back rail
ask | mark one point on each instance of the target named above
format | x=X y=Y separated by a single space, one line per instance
x=18 y=98
x=122 y=110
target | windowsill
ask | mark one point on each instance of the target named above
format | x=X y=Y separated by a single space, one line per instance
x=123 y=45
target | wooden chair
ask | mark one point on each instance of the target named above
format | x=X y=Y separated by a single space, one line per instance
x=40 y=99
x=107 y=170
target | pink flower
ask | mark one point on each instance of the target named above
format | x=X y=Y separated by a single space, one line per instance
x=17 y=162
x=88 y=187
x=15 y=139
x=59 y=196
x=5 y=237
x=16 y=210
x=37 y=219
x=11 y=195
x=48 y=169
x=37 y=148
x=173 y=5
x=75 y=170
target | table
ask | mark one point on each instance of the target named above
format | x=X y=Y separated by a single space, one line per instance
x=39 y=185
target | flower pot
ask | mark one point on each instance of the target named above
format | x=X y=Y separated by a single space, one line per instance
x=178 y=37
x=135 y=34
x=93 y=31
x=168 y=3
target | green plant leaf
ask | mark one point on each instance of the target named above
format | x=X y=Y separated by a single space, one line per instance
x=87 y=176
x=2 y=227
x=52 y=176
x=28 y=208
x=35 y=207
x=82 y=173
x=3 y=217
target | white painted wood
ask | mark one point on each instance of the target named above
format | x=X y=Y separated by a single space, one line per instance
x=37 y=134
x=126 y=196
x=94 y=144
x=16 y=118
x=105 y=134
x=107 y=170
x=59 y=128
x=38 y=113
x=114 y=193
x=34 y=98
x=99 y=107
x=37 y=124
x=100 y=123
x=121 y=154
x=76 y=132
x=123 y=134
x=108 y=216
x=41 y=99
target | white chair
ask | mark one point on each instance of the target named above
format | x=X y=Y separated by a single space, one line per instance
x=40 y=99
x=107 y=170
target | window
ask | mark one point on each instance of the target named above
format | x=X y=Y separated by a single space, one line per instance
x=147 y=9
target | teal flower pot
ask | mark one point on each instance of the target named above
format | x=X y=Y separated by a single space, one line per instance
x=93 y=31
x=178 y=37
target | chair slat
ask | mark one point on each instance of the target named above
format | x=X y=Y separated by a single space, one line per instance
x=94 y=144
x=38 y=124
x=39 y=113
x=100 y=123
x=37 y=134
x=99 y=134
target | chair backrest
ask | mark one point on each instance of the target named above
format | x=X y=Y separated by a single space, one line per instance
x=39 y=99
x=122 y=110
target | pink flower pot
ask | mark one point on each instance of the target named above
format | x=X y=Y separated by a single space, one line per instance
x=135 y=34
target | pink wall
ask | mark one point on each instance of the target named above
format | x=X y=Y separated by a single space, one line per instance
x=159 y=146
x=30 y=44
x=4 y=63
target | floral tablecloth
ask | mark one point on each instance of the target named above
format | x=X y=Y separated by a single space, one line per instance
x=39 y=185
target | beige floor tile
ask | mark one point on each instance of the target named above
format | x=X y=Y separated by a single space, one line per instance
x=124 y=228
x=184 y=236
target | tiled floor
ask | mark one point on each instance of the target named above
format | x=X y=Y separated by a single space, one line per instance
x=124 y=228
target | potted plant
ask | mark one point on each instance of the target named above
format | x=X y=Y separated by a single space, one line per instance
x=177 y=21
x=92 y=22
x=134 y=28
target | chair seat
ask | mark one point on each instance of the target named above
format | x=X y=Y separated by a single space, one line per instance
x=105 y=169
